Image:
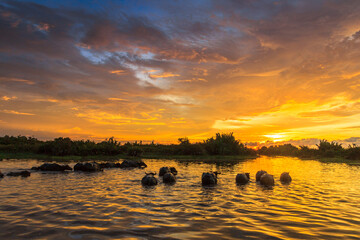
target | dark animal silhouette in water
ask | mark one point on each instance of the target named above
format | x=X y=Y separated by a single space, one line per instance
x=267 y=180
x=209 y=178
x=259 y=174
x=1 y=175
x=16 y=174
x=164 y=170
x=109 y=165
x=285 y=178
x=242 y=178
x=173 y=170
x=87 y=167
x=169 y=178
x=133 y=164
x=149 y=179
x=52 y=167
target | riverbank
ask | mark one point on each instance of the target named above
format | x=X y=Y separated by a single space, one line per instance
x=105 y=158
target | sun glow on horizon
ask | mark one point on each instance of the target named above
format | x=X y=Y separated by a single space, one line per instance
x=276 y=137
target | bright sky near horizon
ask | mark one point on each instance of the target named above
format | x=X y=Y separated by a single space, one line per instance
x=160 y=70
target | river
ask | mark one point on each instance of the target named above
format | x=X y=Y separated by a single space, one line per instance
x=322 y=202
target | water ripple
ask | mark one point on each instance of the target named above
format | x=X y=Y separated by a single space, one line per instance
x=320 y=203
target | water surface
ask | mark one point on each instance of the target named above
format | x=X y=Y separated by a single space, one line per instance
x=322 y=202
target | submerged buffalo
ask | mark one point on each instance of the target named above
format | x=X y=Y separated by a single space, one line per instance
x=133 y=164
x=164 y=170
x=242 y=178
x=1 y=175
x=209 y=178
x=16 y=174
x=149 y=180
x=169 y=178
x=109 y=165
x=259 y=174
x=87 y=167
x=267 y=180
x=285 y=178
x=52 y=167
x=173 y=170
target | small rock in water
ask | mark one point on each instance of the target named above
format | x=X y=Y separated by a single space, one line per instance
x=267 y=180
x=242 y=178
x=16 y=174
x=285 y=178
x=169 y=178
x=149 y=180
x=259 y=174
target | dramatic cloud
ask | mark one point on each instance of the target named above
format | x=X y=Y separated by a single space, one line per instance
x=159 y=70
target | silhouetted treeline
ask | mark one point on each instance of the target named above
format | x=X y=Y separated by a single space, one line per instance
x=324 y=149
x=221 y=144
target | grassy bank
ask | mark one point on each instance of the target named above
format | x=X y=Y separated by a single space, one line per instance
x=340 y=160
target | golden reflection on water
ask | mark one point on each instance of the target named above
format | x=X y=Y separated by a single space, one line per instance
x=321 y=202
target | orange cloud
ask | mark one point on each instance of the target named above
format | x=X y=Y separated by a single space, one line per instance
x=16 y=112
x=164 y=75
x=116 y=99
x=6 y=98
x=118 y=72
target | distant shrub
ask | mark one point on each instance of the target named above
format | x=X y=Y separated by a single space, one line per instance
x=353 y=152
x=306 y=152
x=190 y=149
x=134 y=151
x=282 y=150
x=224 y=144
x=329 y=149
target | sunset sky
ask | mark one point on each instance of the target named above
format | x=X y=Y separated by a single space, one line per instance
x=160 y=70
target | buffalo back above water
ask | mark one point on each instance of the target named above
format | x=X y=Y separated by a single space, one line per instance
x=52 y=167
x=285 y=178
x=267 y=180
x=87 y=167
x=133 y=164
x=242 y=178
x=209 y=178
x=149 y=180
x=169 y=178
x=259 y=174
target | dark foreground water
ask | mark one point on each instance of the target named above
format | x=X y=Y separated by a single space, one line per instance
x=322 y=202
